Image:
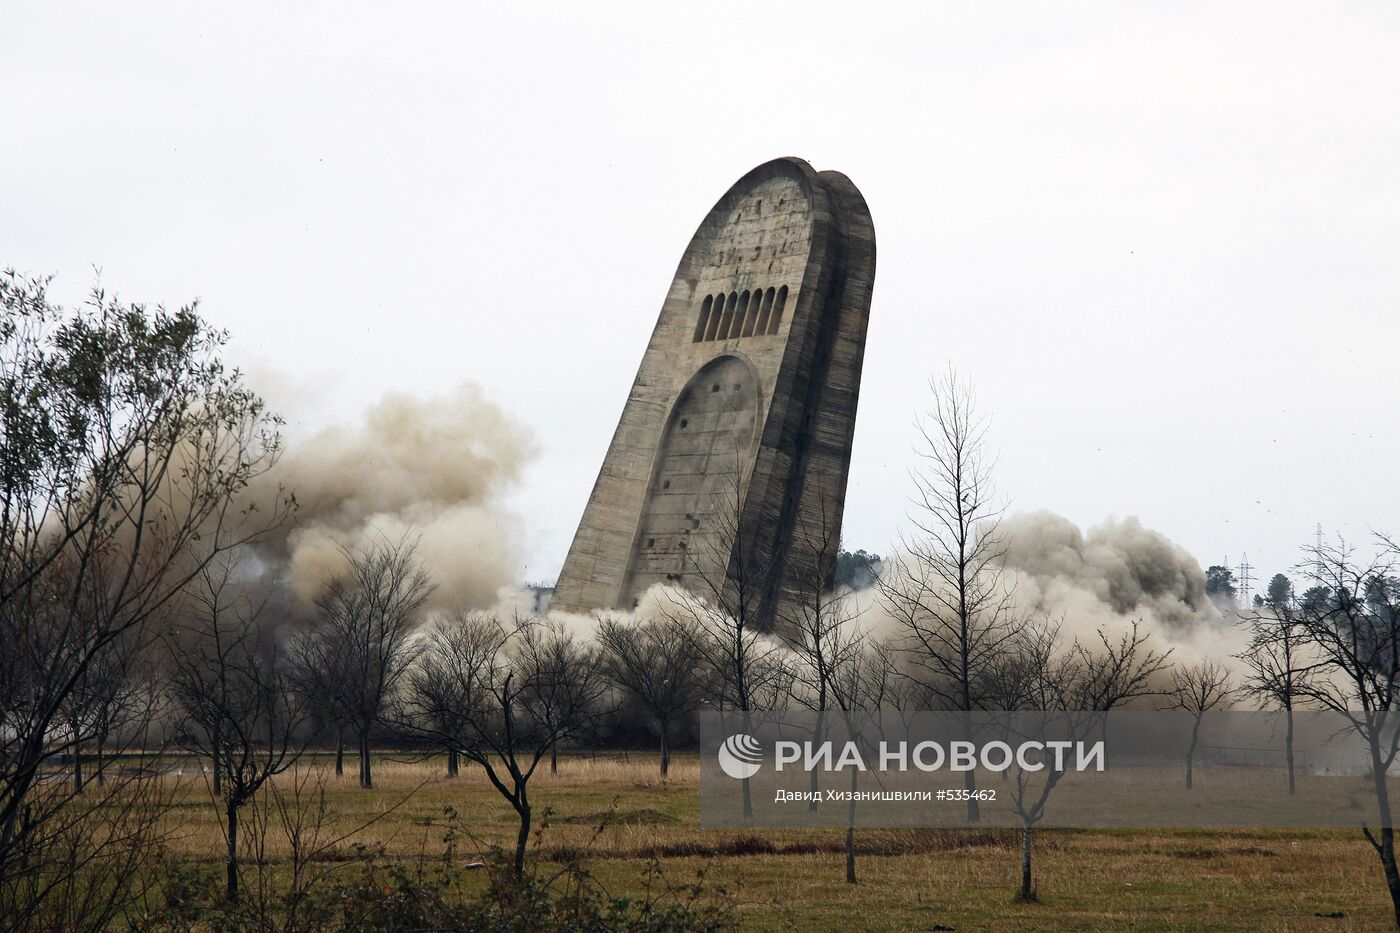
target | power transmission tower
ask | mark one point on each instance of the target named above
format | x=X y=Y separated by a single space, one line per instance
x=1245 y=579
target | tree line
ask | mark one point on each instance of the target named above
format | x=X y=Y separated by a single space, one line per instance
x=133 y=609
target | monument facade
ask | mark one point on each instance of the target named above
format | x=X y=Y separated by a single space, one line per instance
x=729 y=464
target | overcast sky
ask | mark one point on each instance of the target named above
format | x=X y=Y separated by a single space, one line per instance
x=1163 y=239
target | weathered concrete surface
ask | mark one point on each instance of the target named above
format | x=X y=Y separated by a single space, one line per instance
x=731 y=456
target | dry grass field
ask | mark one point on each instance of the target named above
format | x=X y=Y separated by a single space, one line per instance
x=909 y=879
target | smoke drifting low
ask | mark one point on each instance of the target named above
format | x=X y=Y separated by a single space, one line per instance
x=434 y=469
x=1108 y=577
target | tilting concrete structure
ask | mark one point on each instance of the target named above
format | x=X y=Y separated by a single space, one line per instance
x=731 y=456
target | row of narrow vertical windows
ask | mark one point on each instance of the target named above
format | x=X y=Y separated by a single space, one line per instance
x=741 y=314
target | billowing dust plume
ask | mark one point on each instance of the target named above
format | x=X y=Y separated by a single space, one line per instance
x=1124 y=566
x=1108 y=577
x=433 y=469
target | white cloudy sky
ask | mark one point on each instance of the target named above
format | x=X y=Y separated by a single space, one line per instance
x=1162 y=237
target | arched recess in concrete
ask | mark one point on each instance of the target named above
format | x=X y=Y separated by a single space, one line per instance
x=701 y=468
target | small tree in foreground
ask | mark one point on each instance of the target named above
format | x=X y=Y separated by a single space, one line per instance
x=655 y=665
x=506 y=699
x=1277 y=659
x=741 y=666
x=1197 y=689
x=862 y=685
x=1047 y=691
x=1353 y=627
x=819 y=621
x=437 y=694
x=562 y=682
x=947 y=592
x=360 y=647
x=234 y=686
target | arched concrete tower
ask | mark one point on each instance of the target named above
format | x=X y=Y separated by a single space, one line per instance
x=731 y=455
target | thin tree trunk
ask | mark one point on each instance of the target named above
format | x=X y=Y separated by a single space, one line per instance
x=974 y=813
x=340 y=751
x=748 y=791
x=1288 y=746
x=522 y=838
x=101 y=760
x=214 y=759
x=1191 y=753
x=851 y=831
x=366 y=768
x=1392 y=875
x=231 y=878
x=665 y=748
x=77 y=762
x=1386 y=849
x=817 y=734
x=554 y=758
x=452 y=765
x=1027 y=885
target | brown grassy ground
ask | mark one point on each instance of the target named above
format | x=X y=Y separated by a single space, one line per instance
x=909 y=879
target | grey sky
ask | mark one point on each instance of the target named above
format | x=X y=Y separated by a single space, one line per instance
x=1162 y=238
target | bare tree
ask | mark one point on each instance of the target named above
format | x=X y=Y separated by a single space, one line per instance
x=656 y=666
x=117 y=685
x=862 y=684
x=1050 y=695
x=819 y=623
x=1197 y=689
x=437 y=695
x=839 y=667
x=100 y=703
x=498 y=687
x=718 y=609
x=562 y=681
x=210 y=620
x=123 y=441
x=946 y=591
x=441 y=690
x=1277 y=659
x=742 y=667
x=1352 y=627
x=359 y=646
x=817 y=620
x=316 y=669
x=1119 y=671
x=1122 y=670
x=229 y=678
